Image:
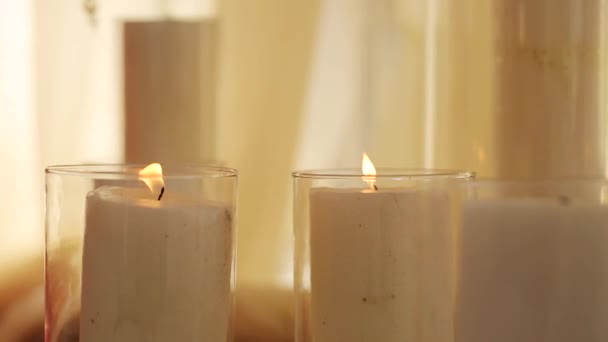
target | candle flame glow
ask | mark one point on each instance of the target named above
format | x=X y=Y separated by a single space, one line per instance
x=152 y=175
x=369 y=171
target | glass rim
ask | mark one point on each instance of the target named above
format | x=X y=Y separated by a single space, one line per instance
x=537 y=181
x=130 y=170
x=384 y=173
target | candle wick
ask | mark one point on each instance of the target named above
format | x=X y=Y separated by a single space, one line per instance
x=162 y=191
x=375 y=187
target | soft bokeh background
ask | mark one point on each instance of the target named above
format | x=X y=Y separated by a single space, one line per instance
x=506 y=88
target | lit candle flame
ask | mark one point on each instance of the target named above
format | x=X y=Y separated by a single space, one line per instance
x=152 y=175
x=369 y=172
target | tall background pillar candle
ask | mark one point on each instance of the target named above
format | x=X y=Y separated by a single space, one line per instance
x=149 y=261
x=511 y=88
x=551 y=79
x=373 y=260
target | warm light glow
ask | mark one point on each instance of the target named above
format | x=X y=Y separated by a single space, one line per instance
x=481 y=154
x=152 y=175
x=369 y=171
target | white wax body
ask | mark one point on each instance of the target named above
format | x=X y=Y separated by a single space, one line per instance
x=533 y=271
x=381 y=266
x=155 y=270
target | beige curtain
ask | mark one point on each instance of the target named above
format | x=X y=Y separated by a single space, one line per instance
x=302 y=85
x=21 y=210
x=265 y=65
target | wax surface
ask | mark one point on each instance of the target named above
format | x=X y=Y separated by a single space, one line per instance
x=533 y=271
x=155 y=270
x=380 y=266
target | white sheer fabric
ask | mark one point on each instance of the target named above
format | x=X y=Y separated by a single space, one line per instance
x=20 y=172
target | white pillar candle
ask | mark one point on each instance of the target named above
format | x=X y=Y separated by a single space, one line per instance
x=533 y=270
x=550 y=95
x=155 y=270
x=380 y=265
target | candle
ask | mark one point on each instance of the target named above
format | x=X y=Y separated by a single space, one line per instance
x=155 y=268
x=380 y=265
x=533 y=270
x=549 y=92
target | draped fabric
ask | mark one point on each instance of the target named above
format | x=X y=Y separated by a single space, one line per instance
x=20 y=172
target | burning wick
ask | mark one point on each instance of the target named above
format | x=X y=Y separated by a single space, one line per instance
x=369 y=172
x=152 y=175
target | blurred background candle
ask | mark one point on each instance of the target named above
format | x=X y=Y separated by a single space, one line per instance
x=519 y=88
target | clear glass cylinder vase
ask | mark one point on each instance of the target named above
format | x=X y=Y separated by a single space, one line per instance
x=532 y=262
x=524 y=89
x=139 y=256
x=508 y=88
x=374 y=256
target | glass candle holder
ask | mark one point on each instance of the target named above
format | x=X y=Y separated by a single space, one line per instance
x=374 y=255
x=533 y=262
x=137 y=254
